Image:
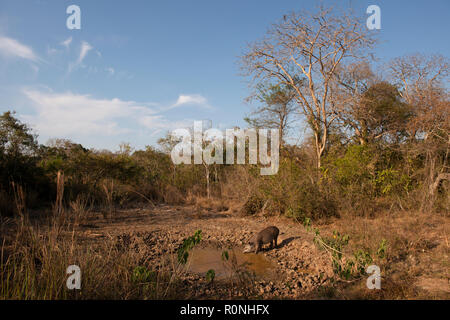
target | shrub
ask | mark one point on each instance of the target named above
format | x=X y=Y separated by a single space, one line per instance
x=253 y=205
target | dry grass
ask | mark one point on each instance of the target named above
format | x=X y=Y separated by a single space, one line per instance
x=35 y=255
x=34 y=258
x=417 y=251
x=108 y=190
x=19 y=199
x=34 y=262
x=204 y=204
x=80 y=208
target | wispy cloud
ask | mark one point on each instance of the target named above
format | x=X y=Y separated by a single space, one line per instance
x=190 y=100
x=51 y=51
x=12 y=48
x=85 y=48
x=82 y=116
x=66 y=43
x=66 y=114
x=158 y=123
x=110 y=70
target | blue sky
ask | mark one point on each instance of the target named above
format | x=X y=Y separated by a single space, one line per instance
x=139 y=68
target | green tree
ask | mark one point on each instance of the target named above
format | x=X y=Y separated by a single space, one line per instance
x=18 y=150
x=278 y=104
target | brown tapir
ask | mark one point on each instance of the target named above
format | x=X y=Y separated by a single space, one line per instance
x=268 y=235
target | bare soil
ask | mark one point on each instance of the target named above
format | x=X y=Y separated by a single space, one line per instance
x=298 y=265
x=300 y=269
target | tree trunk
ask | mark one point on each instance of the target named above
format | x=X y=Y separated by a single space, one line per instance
x=208 y=194
x=439 y=178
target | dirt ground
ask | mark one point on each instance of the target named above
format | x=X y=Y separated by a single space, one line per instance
x=298 y=267
x=299 y=270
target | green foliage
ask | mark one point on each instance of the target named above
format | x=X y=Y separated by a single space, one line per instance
x=187 y=245
x=391 y=181
x=382 y=249
x=225 y=255
x=19 y=154
x=143 y=175
x=142 y=274
x=343 y=266
x=294 y=192
x=307 y=223
x=353 y=167
x=16 y=139
x=363 y=258
x=210 y=275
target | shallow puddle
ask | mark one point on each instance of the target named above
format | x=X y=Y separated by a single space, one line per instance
x=203 y=259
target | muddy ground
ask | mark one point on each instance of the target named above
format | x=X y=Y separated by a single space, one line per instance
x=292 y=270
x=296 y=269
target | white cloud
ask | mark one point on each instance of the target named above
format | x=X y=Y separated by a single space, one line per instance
x=191 y=99
x=158 y=123
x=85 y=47
x=13 y=48
x=82 y=117
x=66 y=43
x=110 y=70
x=68 y=114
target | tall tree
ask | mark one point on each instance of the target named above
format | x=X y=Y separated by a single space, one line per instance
x=423 y=83
x=277 y=106
x=311 y=45
x=371 y=108
x=352 y=81
x=16 y=138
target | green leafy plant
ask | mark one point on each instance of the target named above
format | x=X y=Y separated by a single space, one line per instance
x=381 y=251
x=210 y=275
x=188 y=244
x=363 y=258
x=307 y=223
x=142 y=274
x=225 y=255
x=343 y=266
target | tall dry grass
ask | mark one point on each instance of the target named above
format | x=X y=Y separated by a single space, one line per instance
x=19 y=199
x=108 y=189
x=80 y=208
x=34 y=261
x=34 y=257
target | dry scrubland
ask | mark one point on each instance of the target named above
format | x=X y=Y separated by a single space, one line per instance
x=368 y=184
x=134 y=255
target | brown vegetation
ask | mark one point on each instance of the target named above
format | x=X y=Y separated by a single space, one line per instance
x=368 y=184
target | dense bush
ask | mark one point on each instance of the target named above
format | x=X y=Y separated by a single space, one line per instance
x=354 y=178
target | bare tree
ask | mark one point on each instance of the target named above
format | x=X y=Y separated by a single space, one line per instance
x=311 y=45
x=423 y=83
x=414 y=73
x=351 y=82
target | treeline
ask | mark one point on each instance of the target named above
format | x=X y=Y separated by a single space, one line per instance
x=373 y=140
x=354 y=178
x=95 y=176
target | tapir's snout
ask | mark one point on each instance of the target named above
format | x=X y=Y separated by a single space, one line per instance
x=248 y=248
